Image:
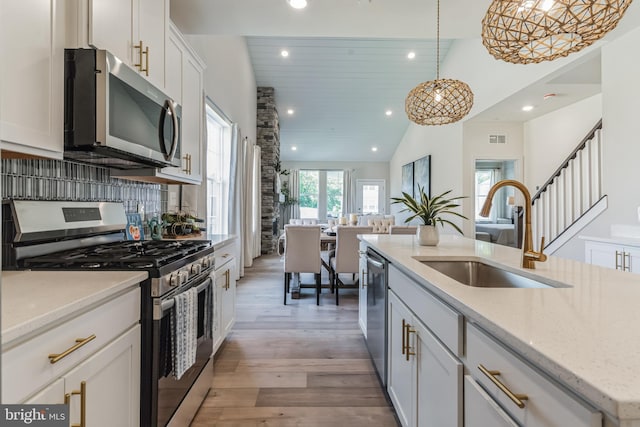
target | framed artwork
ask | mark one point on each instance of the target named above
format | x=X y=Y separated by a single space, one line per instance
x=421 y=175
x=407 y=178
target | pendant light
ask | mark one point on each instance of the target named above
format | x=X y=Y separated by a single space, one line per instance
x=532 y=31
x=439 y=101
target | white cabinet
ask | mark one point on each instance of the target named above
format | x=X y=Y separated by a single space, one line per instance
x=184 y=81
x=480 y=410
x=224 y=302
x=425 y=379
x=101 y=366
x=133 y=30
x=362 y=293
x=620 y=256
x=32 y=67
x=527 y=396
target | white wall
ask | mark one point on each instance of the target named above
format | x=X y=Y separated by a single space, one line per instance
x=361 y=170
x=476 y=147
x=549 y=139
x=230 y=83
x=620 y=148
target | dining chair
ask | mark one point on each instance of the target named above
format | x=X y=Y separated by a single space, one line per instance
x=346 y=259
x=301 y=254
x=403 y=229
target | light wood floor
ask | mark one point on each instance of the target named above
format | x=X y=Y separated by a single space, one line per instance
x=293 y=365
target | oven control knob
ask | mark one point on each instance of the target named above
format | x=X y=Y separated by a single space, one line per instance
x=174 y=280
x=184 y=276
x=206 y=262
x=196 y=269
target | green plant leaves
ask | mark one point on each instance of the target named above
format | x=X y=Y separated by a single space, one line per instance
x=430 y=210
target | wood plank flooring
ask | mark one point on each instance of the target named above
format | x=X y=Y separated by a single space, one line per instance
x=293 y=365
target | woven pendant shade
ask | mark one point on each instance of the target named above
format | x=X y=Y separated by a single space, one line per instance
x=532 y=31
x=439 y=101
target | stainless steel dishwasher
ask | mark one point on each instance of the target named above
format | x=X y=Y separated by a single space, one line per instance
x=377 y=312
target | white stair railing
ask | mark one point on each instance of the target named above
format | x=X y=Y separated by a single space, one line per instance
x=571 y=191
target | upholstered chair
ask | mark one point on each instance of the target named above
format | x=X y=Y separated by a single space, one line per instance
x=301 y=254
x=403 y=229
x=381 y=226
x=346 y=259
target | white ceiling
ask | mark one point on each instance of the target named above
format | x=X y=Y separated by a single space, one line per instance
x=348 y=64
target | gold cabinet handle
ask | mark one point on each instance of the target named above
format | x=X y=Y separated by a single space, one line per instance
x=619 y=257
x=404 y=336
x=626 y=261
x=54 y=358
x=515 y=398
x=139 y=47
x=146 y=62
x=408 y=353
x=225 y=255
x=187 y=163
x=83 y=403
x=227 y=279
x=364 y=281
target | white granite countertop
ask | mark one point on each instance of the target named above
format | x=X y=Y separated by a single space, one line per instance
x=34 y=299
x=585 y=335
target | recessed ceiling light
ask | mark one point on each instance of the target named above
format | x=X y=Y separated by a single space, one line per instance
x=527 y=108
x=290 y=111
x=284 y=53
x=297 y=4
x=388 y=112
x=374 y=149
x=294 y=148
x=411 y=55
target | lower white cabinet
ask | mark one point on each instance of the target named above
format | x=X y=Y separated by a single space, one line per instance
x=100 y=367
x=480 y=410
x=224 y=296
x=529 y=398
x=613 y=255
x=424 y=378
x=362 y=292
x=109 y=381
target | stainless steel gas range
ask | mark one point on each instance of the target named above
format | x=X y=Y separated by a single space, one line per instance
x=58 y=235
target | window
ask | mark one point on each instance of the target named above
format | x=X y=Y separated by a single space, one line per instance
x=321 y=194
x=484 y=181
x=218 y=171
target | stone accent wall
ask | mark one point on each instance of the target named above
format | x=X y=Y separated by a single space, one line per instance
x=268 y=138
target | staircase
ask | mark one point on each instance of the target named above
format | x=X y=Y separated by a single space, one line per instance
x=572 y=197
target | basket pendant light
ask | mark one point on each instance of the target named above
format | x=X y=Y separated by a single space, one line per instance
x=532 y=31
x=439 y=101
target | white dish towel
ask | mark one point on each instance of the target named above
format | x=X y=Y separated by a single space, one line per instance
x=185 y=329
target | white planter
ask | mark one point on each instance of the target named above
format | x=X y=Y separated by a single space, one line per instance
x=428 y=235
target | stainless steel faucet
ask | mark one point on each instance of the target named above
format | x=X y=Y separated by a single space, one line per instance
x=529 y=256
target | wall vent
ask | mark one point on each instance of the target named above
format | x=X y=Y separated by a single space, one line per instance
x=497 y=139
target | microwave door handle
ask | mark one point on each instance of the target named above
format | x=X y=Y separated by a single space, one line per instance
x=176 y=131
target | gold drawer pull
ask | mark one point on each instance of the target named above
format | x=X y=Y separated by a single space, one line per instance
x=53 y=358
x=83 y=403
x=364 y=278
x=515 y=398
x=409 y=352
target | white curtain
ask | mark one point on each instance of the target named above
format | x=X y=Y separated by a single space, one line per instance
x=348 y=192
x=294 y=191
x=243 y=195
x=256 y=192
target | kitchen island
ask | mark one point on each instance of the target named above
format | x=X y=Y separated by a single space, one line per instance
x=581 y=336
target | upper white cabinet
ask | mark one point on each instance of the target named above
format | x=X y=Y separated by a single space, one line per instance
x=619 y=256
x=184 y=82
x=133 y=30
x=32 y=66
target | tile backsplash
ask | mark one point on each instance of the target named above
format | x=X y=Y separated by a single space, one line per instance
x=40 y=179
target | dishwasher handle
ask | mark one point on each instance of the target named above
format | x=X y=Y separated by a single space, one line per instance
x=375 y=263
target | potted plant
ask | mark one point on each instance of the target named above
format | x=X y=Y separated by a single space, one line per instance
x=429 y=210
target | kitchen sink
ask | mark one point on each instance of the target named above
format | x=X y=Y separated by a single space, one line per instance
x=481 y=275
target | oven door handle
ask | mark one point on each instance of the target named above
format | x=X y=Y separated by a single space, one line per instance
x=167 y=304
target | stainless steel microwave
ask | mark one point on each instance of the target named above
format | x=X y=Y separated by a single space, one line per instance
x=114 y=117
